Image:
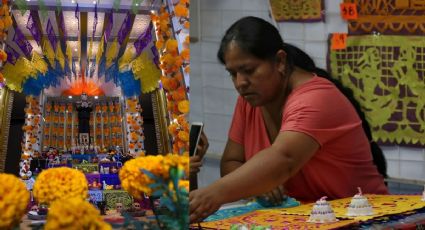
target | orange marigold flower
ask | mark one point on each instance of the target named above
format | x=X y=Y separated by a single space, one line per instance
x=186 y=24
x=179 y=94
x=185 y=54
x=173 y=128
x=159 y=44
x=187 y=69
x=171 y=45
x=181 y=11
x=184 y=106
x=183 y=136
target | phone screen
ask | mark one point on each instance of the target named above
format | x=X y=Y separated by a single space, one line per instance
x=195 y=134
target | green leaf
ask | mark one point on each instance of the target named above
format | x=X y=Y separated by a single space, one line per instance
x=167 y=202
x=158 y=193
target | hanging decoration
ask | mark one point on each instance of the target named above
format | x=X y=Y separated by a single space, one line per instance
x=111 y=53
x=145 y=70
x=108 y=28
x=59 y=6
x=125 y=28
x=388 y=17
x=299 y=11
x=49 y=53
x=16 y=74
x=135 y=4
x=22 y=6
x=384 y=74
x=22 y=42
x=129 y=85
x=77 y=16
x=12 y=55
x=143 y=40
x=116 y=5
x=43 y=10
x=61 y=24
x=33 y=28
x=51 y=34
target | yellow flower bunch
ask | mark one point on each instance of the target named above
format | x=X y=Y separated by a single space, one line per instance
x=60 y=183
x=74 y=213
x=14 y=198
x=135 y=182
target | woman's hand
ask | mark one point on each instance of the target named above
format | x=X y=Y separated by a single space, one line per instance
x=203 y=145
x=273 y=198
x=195 y=164
x=203 y=202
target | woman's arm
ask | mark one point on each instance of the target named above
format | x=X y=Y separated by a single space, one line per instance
x=233 y=157
x=266 y=170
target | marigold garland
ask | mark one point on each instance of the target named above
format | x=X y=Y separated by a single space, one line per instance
x=74 y=213
x=14 y=198
x=60 y=183
x=171 y=63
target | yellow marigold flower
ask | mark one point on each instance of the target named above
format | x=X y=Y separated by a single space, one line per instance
x=74 y=213
x=60 y=183
x=14 y=198
x=184 y=106
x=135 y=182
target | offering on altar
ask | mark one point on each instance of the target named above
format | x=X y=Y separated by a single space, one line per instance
x=359 y=206
x=322 y=212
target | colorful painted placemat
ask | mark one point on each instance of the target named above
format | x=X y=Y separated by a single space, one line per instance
x=249 y=207
x=388 y=17
x=382 y=205
x=300 y=10
x=387 y=76
x=275 y=220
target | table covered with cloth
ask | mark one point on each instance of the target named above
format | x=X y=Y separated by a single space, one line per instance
x=396 y=211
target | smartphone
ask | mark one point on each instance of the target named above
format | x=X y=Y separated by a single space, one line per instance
x=195 y=136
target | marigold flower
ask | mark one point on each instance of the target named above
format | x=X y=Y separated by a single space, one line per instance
x=74 y=213
x=183 y=136
x=14 y=200
x=60 y=183
x=181 y=11
x=184 y=106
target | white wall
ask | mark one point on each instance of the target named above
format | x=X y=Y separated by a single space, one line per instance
x=213 y=96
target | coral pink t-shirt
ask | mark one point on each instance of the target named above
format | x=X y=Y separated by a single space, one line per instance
x=344 y=160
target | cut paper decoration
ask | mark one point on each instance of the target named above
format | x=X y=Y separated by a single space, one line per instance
x=387 y=75
x=301 y=10
x=145 y=70
x=388 y=17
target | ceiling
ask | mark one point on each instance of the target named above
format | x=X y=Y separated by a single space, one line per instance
x=79 y=32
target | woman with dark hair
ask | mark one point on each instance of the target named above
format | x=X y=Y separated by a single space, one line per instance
x=293 y=132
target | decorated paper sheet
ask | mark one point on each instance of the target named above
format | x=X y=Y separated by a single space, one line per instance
x=388 y=17
x=387 y=76
x=302 y=10
x=275 y=220
x=296 y=217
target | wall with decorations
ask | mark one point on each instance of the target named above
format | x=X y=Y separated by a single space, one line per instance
x=213 y=96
